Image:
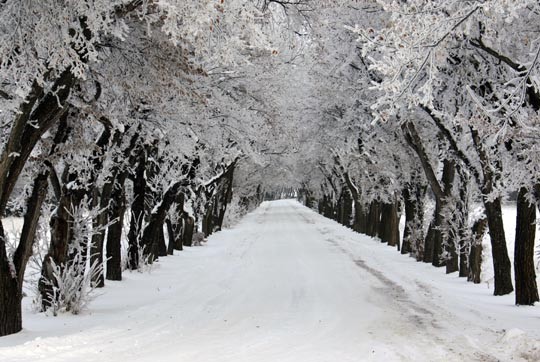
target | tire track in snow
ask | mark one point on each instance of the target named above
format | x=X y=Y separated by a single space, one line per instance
x=419 y=316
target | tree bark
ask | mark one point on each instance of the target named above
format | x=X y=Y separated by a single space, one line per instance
x=187 y=232
x=501 y=262
x=11 y=280
x=153 y=232
x=347 y=208
x=464 y=237
x=171 y=235
x=431 y=235
x=447 y=239
x=475 y=255
x=360 y=218
x=137 y=211
x=227 y=195
x=98 y=238
x=162 y=247
x=413 y=233
x=374 y=218
x=524 y=269
x=10 y=293
x=114 y=232
x=390 y=224
x=58 y=251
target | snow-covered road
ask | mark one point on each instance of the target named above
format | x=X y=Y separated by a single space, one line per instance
x=284 y=285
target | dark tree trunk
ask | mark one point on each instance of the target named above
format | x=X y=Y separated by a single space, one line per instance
x=360 y=218
x=58 y=251
x=445 y=241
x=187 y=232
x=524 y=269
x=410 y=218
x=137 y=211
x=463 y=263
x=320 y=206
x=227 y=195
x=114 y=232
x=374 y=218
x=171 y=235
x=31 y=218
x=413 y=233
x=463 y=221
x=207 y=225
x=475 y=255
x=162 y=247
x=309 y=200
x=390 y=224
x=347 y=217
x=433 y=237
x=177 y=227
x=10 y=293
x=328 y=207
x=501 y=262
x=11 y=281
x=179 y=232
x=98 y=238
x=452 y=261
x=339 y=210
x=153 y=232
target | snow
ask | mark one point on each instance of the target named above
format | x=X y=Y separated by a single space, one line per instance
x=285 y=284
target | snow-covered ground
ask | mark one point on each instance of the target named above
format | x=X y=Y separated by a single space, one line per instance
x=286 y=284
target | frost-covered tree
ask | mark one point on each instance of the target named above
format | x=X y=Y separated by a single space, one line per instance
x=447 y=60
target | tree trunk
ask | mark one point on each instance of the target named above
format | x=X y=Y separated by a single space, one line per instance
x=58 y=251
x=410 y=217
x=137 y=211
x=171 y=235
x=339 y=209
x=524 y=269
x=114 y=232
x=227 y=195
x=98 y=238
x=374 y=218
x=347 y=208
x=360 y=218
x=390 y=224
x=177 y=226
x=11 y=283
x=10 y=293
x=207 y=219
x=501 y=262
x=413 y=233
x=475 y=256
x=433 y=236
x=462 y=232
x=446 y=241
x=187 y=232
x=153 y=232
x=162 y=247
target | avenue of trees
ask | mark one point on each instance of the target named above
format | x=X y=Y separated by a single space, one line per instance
x=128 y=126
x=443 y=128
